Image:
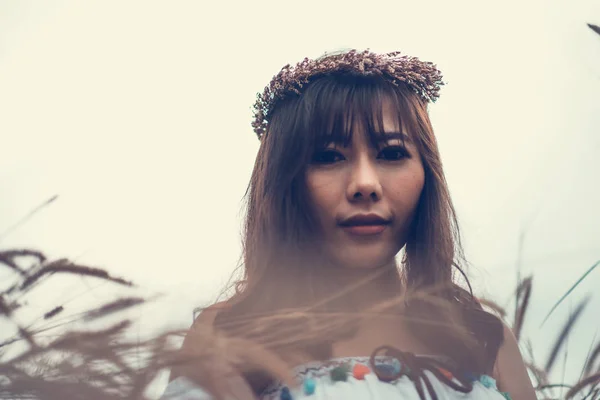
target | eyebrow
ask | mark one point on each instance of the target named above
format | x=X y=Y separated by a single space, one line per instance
x=381 y=137
x=387 y=136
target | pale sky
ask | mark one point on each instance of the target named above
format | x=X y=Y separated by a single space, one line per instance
x=137 y=114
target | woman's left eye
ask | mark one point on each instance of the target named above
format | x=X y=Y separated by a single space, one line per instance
x=393 y=153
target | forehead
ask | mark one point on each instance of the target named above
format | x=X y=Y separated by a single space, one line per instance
x=380 y=121
x=334 y=108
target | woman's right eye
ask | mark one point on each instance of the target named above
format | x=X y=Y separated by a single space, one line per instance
x=327 y=157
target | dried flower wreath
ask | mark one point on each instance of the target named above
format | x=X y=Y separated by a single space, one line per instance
x=423 y=77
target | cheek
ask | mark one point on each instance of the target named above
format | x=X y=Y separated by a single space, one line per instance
x=416 y=184
x=323 y=192
x=406 y=189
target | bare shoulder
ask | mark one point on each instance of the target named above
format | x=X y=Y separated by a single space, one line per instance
x=207 y=315
x=204 y=323
x=196 y=337
x=197 y=365
x=510 y=371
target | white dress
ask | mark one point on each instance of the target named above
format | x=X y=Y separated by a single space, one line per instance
x=322 y=386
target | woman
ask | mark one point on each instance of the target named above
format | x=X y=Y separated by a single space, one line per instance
x=347 y=177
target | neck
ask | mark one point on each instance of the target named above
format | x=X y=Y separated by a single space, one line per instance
x=362 y=287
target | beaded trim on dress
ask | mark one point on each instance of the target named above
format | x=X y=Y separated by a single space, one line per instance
x=320 y=370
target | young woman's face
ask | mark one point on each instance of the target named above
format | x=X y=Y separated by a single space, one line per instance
x=365 y=198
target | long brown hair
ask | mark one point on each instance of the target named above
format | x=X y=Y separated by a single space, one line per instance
x=282 y=273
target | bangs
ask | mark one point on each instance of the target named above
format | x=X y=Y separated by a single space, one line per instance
x=340 y=105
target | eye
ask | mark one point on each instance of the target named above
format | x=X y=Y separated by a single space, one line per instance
x=393 y=153
x=327 y=157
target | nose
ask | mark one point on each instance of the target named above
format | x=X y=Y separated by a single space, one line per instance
x=364 y=182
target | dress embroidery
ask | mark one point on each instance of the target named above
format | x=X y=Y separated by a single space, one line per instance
x=308 y=374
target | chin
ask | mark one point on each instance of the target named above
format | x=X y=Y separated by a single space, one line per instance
x=361 y=257
x=363 y=260
x=366 y=264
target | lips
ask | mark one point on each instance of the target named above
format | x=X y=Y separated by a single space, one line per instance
x=364 y=224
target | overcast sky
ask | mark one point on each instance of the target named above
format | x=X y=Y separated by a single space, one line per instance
x=137 y=114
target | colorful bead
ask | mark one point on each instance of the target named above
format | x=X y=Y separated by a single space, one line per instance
x=285 y=394
x=339 y=374
x=309 y=386
x=397 y=366
x=447 y=374
x=387 y=369
x=359 y=371
x=488 y=381
x=386 y=373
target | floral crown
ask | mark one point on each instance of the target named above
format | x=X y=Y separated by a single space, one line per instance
x=422 y=77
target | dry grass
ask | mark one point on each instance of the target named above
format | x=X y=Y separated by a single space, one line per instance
x=588 y=385
x=103 y=363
